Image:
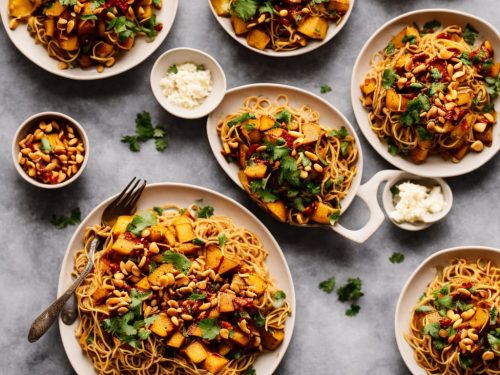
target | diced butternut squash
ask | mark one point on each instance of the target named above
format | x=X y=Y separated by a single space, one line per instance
x=495 y=70
x=402 y=60
x=221 y=7
x=224 y=348
x=121 y=224
x=418 y=154
x=104 y=49
x=148 y=11
x=54 y=140
x=123 y=246
x=253 y=136
x=315 y=27
x=256 y=170
x=55 y=10
x=258 y=285
x=185 y=233
x=461 y=152
x=227 y=265
x=480 y=319
x=176 y=340
x=239 y=26
x=266 y=123
x=196 y=352
x=100 y=293
x=312 y=133
x=278 y=210
x=162 y=326
x=103 y=264
x=463 y=98
x=214 y=313
x=226 y=302
x=274 y=133
x=237 y=282
x=239 y=337
x=213 y=257
x=194 y=330
x=406 y=32
x=50 y=26
x=341 y=6
x=258 y=39
x=182 y=281
x=188 y=248
x=103 y=309
x=395 y=101
x=322 y=213
x=70 y=44
x=21 y=9
x=272 y=339
x=143 y=284
x=215 y=362
x=158 y=233
x=368 y=86
x=154 y=277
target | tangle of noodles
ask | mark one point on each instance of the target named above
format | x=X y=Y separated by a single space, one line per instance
x=427 y=93
x=178 y=304
x=85 y=33
x=283 y=25
x=290 y=165
x=455 y=327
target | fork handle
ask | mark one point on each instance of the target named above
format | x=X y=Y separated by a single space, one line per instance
x=45 y=320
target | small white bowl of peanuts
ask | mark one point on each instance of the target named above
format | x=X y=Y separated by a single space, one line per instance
x=50 y=150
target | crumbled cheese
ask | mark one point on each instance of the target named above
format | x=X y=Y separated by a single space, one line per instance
x=415 y=202
x=188 y=86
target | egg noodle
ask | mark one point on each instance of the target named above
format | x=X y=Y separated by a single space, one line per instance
x=445 y=337
x=336 y=151
x=426 y=94
x=153 y=355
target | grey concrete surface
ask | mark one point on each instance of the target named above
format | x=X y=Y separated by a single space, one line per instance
x=325 y=340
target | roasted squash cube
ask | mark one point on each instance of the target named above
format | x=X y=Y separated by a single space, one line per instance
x=162 y=326
x=266 y=123
x=278 y=210
x=121 y=224
x=258 y=39
x=158 y=233
x=239 y=337
x=395 y=101
x=224 y=348
x=368 y=86
x=406 y=32
x=221 y=7
x=154 y=277
x=322 y=213
x=214 y=313
x=215 y=362
x=256 y=170
x=196 y=352
x=143 y=284
x=258 y=285
x=312 y=133
x=55 y=10
x=227 y=265
x=50 y=27
x=418 y=154
x=315 y=27
x=272 y=339
x=70 y=44
x=123 y=246
x=185 y=233
x=176 y=340
x=341 y=6
x=213 y=256
x=226 y=302
x=480 y=319
x=194 y=330
x=188 y=248
x=21 y=9
x=239 y=26
x=495 y=70
x=463 y=98
x=100 y=293
x=237 y=282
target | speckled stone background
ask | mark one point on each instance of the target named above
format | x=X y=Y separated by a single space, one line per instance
x=325 y=340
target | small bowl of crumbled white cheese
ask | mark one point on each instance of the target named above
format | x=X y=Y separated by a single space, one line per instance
x=415 y=203
x=187 y=82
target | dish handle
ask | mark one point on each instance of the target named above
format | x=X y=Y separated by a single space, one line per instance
x=368 y=193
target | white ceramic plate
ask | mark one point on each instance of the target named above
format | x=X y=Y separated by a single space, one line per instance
x=416 y=285
x=435 y=166
x=125 y=60
x=333 y=30
x=184 y=195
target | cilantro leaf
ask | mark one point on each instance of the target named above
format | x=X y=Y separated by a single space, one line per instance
x=85 y=17
x=141 y=222
x=161 y=144
x=424 y=309
x=397 y=258
x=464 y=57
x=393 y=149
x=245 y=9
x=445 y=302
x=222 y=239
x=251 y=371
x=340 y=133
x=344 y=147
x=354 y=310
x=260 y=321
x=241 y=118
x=388 y=78
x=412 y=39
x=137 y=299
x=470 y=34
x=327 y=285
x=133 y=142
x=283 y=116
x=172 y=69
x=199 y=242
x=435 y=74
x=390 y=48
x=144 y=130
x=464 y=362
x=267 y=7
x=205 y=212
x=462 y=306
x=158 y=210
x=61 y=222
x=197 y=296
x=431 y=25
x=423 y=134
x=209 y=328
x=334 y=217
x=67 y=2
x=493 y=315
x=179 y=261
x=351 y=290
x=494 y=340
x=432 y=329
x=435 y=87
x=279 y=298
x=325 y=88
x=289 y=171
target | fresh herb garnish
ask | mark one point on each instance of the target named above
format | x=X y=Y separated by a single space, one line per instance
x=464 y=58
x=325 y=88
x=61 y=222
x=141 y=222
x=413 y=110
x=209 y=328
x=205 y=212
x=86 y=17
x=470 y=34
x=431 y=25
x=424 y=309
x=432 y=329
x=435 y=74
x=172 y=69
x=45 y=145
x=344 y=147
x=354 y=310
x=199 y=242
x=241 y=118
x=464 y=362
x=334 y=217
x=67 y=2
x=289 y=171
x=412 y=39
x=397 y=258
x=158 y=210
x=435 y=87
x=493 y=315
x=251 y=371
x=389 y=49
x=327 y=285
x=493 y=86
x=144 y=130
x=197 y=296
x=351 y=291
x=423 y=134
x=279 y=298
x=179 y=261
x=340 y=133
x=222 y=239
x=462 y=306
x=245 y=9
x=259 y=320
x=284 y=116
x=388 y=78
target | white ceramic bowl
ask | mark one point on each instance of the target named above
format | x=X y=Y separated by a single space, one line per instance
x=333 y=30
x=184 y=195
x=399 y=177
x=142 y=49
x=179 y=56
x=33 y=121
x=416 y=285
x=434 y=166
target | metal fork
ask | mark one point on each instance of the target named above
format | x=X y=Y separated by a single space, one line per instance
x=124 y=204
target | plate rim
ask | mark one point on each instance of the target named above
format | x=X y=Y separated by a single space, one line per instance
x=90 y=74
x=360 y=113
x=409 y=360
x=346 y=202
x=62 y=284
x=296 y=52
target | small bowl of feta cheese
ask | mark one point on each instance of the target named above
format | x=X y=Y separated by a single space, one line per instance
x=188 y=83
x=415 y=203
